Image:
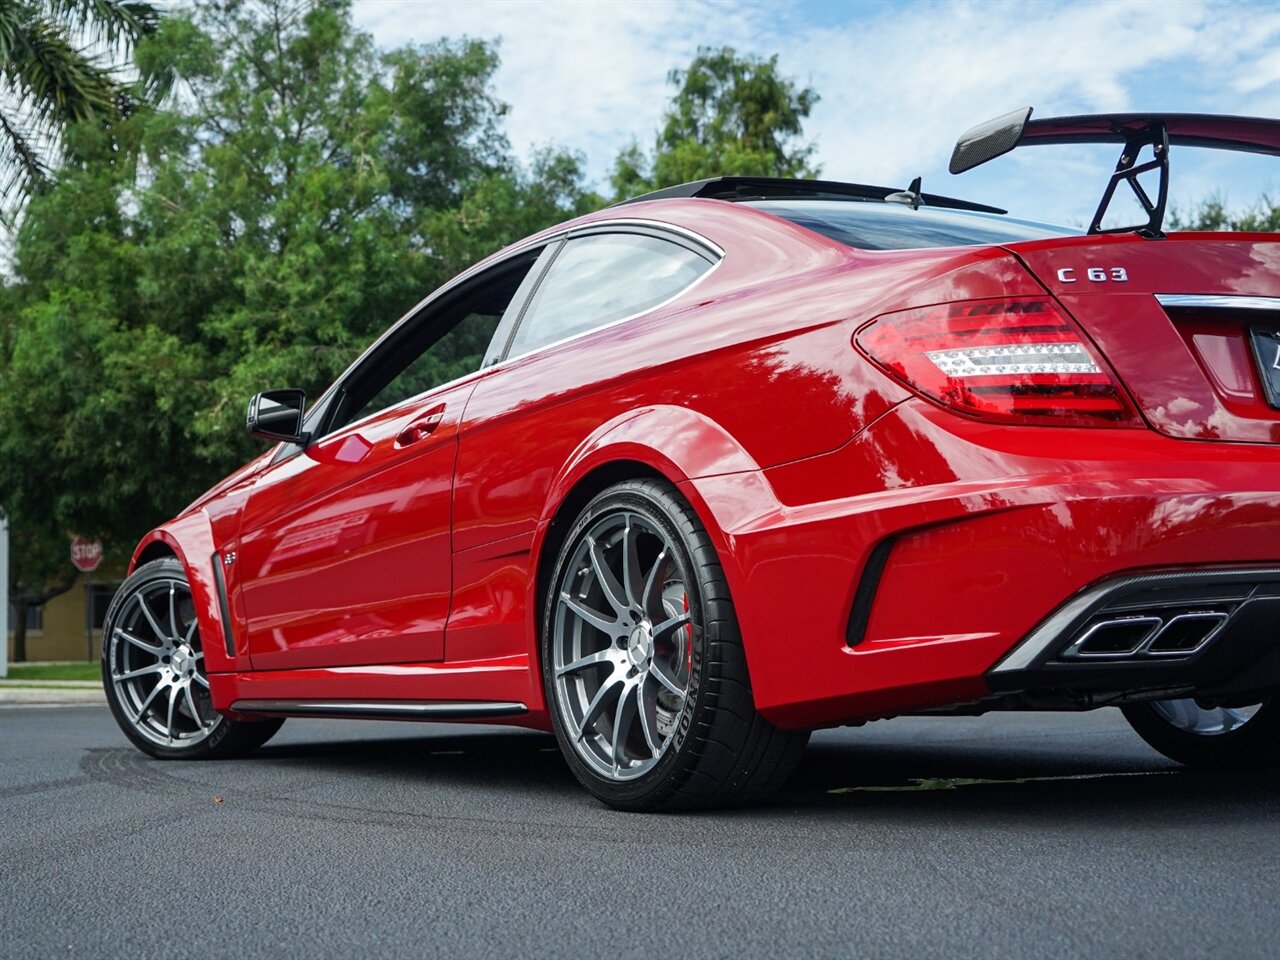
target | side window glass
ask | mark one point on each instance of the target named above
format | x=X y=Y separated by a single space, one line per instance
x=600 y=278
x=454 y=355
x=445 y=341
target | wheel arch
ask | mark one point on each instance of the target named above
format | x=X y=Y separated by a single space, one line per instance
x=668 y=443
x=189 y=540
x=153 y=549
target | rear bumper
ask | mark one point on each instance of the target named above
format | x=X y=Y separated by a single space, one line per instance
x=1215 y=632
x=982 y=534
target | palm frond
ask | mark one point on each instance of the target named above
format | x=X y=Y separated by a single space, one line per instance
x=21 y=167
x=13 y=20
x=108 y=22
x=60 y=83
x=55 y=71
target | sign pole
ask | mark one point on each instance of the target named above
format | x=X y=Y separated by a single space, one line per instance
x=88 y=613
x=4 y=594
x=86 y=555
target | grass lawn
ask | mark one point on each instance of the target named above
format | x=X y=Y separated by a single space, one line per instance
x=75 y=670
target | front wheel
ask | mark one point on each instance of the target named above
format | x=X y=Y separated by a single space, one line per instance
x=1206 y=735
x=643 y=664
x=154 y=673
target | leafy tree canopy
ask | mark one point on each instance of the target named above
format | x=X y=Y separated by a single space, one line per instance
x=732 y=114
x=298 y=193
x=1212 y=214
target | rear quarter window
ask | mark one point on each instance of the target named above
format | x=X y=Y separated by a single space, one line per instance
x=602 y=278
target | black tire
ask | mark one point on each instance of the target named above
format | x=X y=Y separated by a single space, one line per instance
x=154 y=676
x=717 y=750
x=1255 y=742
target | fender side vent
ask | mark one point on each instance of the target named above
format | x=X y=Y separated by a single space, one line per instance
x=223 y=607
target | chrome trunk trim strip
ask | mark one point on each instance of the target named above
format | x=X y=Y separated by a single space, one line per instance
x=1218 y=301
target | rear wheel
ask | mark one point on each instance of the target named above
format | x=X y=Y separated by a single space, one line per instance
x=643 y=664
x=154 y=672
x=1206 y=735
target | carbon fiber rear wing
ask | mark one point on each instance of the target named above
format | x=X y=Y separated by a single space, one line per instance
x=1135 y=131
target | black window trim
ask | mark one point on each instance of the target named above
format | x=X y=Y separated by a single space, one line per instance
x=549 y=254
x=712 y=253
x=322 y=410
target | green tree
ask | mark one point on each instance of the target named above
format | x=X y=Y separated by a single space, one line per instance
x=54 y=62
x=1212 y=214
x=732 y=114
x=301 y=190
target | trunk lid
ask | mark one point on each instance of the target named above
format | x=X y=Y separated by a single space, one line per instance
x=1191 y=324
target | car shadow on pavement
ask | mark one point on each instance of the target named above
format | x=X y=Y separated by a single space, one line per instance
x=973 y=780
x=988 y=781
x=511 y=759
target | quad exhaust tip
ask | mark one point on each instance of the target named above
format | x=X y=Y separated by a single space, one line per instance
x=1160 y=617
x=1168 y=634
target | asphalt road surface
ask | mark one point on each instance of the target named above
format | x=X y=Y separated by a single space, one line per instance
x=1005 y=836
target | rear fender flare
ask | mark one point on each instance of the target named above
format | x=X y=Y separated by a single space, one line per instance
x=677 y=443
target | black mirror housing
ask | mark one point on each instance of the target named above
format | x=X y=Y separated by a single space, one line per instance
x=277 y=415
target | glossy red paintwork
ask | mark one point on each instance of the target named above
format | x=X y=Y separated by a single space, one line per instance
x=1143 y=342
x=995 y=528
x=371 y=570
x=345 y=556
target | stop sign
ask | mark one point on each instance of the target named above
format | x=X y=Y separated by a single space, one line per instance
x=86 y=554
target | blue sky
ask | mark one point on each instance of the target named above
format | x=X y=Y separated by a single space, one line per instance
x=899 y=81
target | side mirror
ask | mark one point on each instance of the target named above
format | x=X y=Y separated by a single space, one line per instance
x=277 y=415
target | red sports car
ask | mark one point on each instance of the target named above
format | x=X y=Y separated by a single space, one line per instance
x=689 y=477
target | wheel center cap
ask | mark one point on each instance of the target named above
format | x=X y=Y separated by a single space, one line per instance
x=640 y=645
x=180 y=660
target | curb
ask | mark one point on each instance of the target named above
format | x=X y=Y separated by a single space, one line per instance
x=40 y=696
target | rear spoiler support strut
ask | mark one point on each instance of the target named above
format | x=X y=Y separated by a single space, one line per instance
x=997 y=137
x=1157 y=137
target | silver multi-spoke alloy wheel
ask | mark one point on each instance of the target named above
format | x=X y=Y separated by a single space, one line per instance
x=157 y=668
x=622 y=644
x=643 y=667
x=1189 y=717
x=154 y=673
x=1210 y=734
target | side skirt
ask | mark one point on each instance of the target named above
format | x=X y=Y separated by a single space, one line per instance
x=382 y=709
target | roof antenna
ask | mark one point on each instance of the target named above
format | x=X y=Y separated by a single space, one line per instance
x=910 y=196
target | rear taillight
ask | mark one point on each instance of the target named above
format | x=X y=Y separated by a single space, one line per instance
x=1012 y=361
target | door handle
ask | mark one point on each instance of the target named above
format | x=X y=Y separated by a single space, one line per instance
x=424 y=426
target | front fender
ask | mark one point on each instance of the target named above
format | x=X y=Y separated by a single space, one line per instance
x=190 y=538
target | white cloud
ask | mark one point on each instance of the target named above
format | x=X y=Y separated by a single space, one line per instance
x=898 y=83
x=586 y=75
